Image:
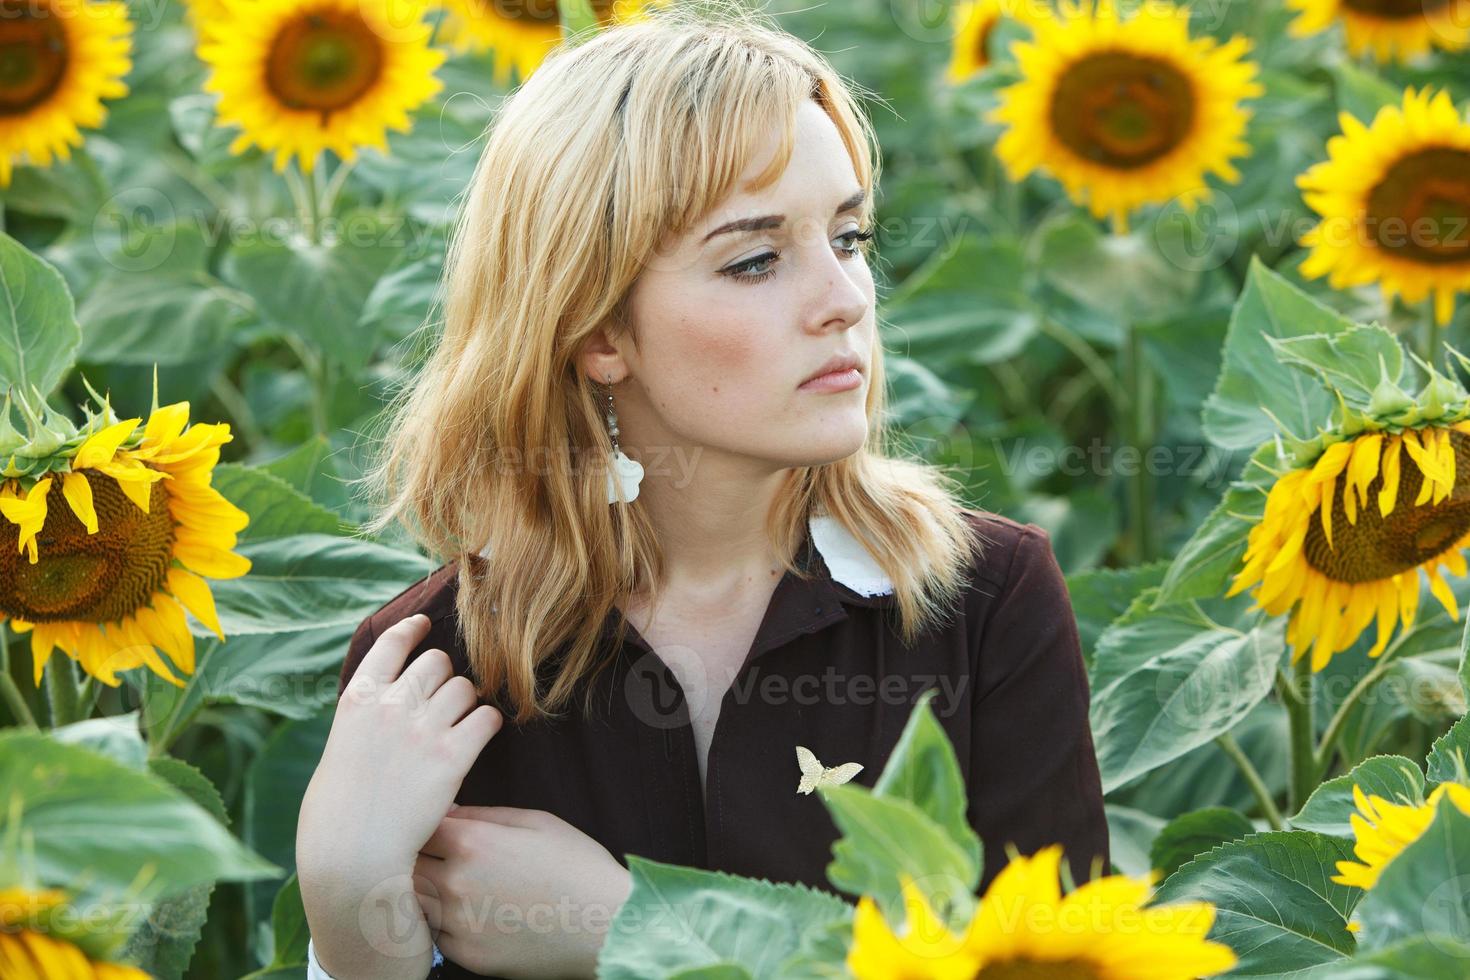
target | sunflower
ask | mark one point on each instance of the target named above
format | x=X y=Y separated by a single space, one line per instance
x=27 y=953
x=58 y=61
x=1343 y=540
x=1392 y=28
x=116 y=545
x=1395 y=201
x=1125 y=112
x=522 y=32
x=300 y=76
x=974 y=22
x=1383 y=829
x=1025 y=927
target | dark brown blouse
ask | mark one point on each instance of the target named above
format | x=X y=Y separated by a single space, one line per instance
x=827 y=671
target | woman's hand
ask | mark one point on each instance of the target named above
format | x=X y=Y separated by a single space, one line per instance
x=400 y=745
x=519 y=893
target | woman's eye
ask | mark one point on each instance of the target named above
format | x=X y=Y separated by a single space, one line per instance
x=759 y=268
x=855 y=240
x=745 y=271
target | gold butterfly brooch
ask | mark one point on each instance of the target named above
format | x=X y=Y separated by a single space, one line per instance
x=814 y=774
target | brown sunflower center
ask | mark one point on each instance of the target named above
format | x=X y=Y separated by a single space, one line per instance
x=541 y=11
x=1395 y=9
x=98 y=578
x=1122 y=110
x=1039 y=970
x=1377 y=547
x=33 y=56
x=1421 y=208
x=324 y=61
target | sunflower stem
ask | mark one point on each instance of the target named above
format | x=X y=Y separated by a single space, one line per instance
x=1139 y=430
x=1428 y=331
x=87 y=695
x=1083 y=351
x=61 y=691
x=1298 y=704
x=1253 y=778
x=9 y=690
x=313 y=200
x=1328 y=745
x=334 y=186
x=297 y=186
x=311 y=362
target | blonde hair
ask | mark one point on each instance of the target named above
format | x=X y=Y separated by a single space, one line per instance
x=646 y=127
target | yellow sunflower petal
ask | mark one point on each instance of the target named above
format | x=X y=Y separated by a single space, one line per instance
x=193 y=592
x=102 y=445
x=79 y=496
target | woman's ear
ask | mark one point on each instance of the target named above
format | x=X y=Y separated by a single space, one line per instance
x=601 y=360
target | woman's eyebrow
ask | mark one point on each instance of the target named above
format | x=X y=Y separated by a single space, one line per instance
x=768 y=221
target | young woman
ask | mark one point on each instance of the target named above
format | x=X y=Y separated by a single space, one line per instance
x=661 y=262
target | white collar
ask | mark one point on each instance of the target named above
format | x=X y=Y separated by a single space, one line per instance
x=848 y=561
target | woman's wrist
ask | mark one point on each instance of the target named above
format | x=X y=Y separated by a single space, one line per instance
x=372 y=928
x=604 y=905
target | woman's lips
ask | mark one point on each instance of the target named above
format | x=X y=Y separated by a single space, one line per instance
x=835 y=381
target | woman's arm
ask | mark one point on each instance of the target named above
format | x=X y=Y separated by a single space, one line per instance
x=401 y=742
x=1034 y=779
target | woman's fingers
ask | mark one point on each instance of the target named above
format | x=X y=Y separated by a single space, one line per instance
x=452 y=701
x=422 y=678
x=475 y=730
x=383 y=662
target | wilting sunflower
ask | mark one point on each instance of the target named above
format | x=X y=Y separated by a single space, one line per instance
x=1126 y=112
x=1025 y=927
x=116 y=545
x=58 y=61
x=1394 y=199
x=300 y=76
x=28 y=953
x=522 y=32
x=1391 y=28
x=1343 y=540
x=1384 y=828
x=974 y=22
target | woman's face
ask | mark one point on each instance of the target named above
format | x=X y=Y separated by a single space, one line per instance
x=735 y=315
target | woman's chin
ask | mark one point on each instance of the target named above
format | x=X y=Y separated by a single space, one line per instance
x=832 y=440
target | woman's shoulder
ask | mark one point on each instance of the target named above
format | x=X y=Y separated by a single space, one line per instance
x=434 y=596
x=1007 y=547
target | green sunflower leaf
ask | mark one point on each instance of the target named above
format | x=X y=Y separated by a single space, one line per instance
x=883 y=836
x=1173 y=680
x=923 y=770
x=1392 y=777
x=1275 y=902
x=680 y=919
x=114 y=834
x=1255 y=387
x=1191 y=834
x=1212 y=555
x=164 y=944
x=1354 y=361
x=39 y=333
x=1449 y=756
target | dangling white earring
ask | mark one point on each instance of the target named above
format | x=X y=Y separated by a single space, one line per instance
x=624 y=475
